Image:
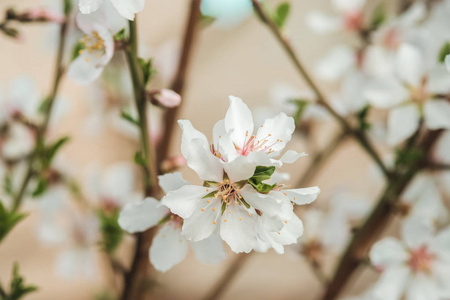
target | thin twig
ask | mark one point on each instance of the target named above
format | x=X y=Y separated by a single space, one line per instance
x=359 y=135
x=178 y=83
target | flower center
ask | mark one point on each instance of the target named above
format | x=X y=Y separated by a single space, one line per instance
x=421 y=260
x=93 y=44
x=253 y=145
x=353 y=20
x=228 y=192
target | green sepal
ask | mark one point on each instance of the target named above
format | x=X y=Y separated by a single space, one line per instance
x=50 y=151
x=112 y=233
x=147 y=69
x=242 y=200
x=120 y=36
x=362 y=118
x=139 y=159
x=76 y=50
x=209 y=195
x=164 y=219
x=8 y=219
x=445 y=50
x=379 y=16
x=261 y=187
x=224 y=207
x=18 y=289
x=127 y=116
x=301 y=106
x=40 y=188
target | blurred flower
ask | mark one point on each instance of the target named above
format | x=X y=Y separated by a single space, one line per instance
x=165 y=98
x=169 y=246
x=350 y=17
x=126 y=9
x=418 y=266
x=227 y=13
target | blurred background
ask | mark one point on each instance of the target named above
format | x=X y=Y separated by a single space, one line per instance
x=241 y=59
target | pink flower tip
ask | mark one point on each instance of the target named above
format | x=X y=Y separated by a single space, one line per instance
x=165 y=98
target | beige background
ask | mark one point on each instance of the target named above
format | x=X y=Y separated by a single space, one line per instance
x=243 y=61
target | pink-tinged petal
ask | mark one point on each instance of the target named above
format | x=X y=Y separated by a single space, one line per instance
x=302 y=196
x=168 y=248
x=276 y=132
x=171 y=181
x=128 y=8
x=237 y=228
x=89 y=6
x=386 y=93
x=140 y=215
x=437 y=114
x=239 y=169
x=184 y=201
x=388 y=252
x=392 y=283
x=266 y=203
x=203 y=221
x=190 y=133
x=410 y=64
x=403 y=121
x=203 y=162
x=239 y=122
x=83 y=72
x=291 y=156
x=209 y=250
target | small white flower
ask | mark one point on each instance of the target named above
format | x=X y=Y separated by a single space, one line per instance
x=126 y=8
x=417 y=267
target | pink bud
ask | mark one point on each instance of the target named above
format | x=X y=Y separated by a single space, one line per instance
x=172 y=163
x=39 y=14
x=165 y=98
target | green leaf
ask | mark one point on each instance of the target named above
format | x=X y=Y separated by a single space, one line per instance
x=362 y=118
x=206 y=20
x=139 y=159
x=43 y=107
x=147 y=69
x=127 y=116
x=8 y=219
x=379 y=16
x=281 y=14
x=67 y=7
x=407 y=157
x=242 y=200
x=210 y=195
x=120 y=36
x=8 y=185
x=263 y=173
x=112 y=234
x=445 y=50
x=77 y=50
x=50 y=151
x=261 y=187
x=40 y=188
x=301 y=106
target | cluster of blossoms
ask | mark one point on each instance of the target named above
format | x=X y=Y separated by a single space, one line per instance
x=236 y=202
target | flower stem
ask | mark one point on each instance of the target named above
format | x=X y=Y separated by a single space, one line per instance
x=180 y=77
x=359 y=135
x=50 y=100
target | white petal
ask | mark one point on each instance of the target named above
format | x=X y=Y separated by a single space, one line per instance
x=200 y=225
x=348 y=5
x=138 y=216
x=203 y=162
x=89 y=6
x=239 y=234
x=439 y=80
x=168 y=248
x=387 y=252
x=403 y=121
x=222 y=141
x=184 y=200
x=276 y=132
x=386 y=93
x=189 y=133
x=83 y=72
x=303 y=195
x=441 y=244
x=437 y=114
x=291 y=232
x=291 y=156
x=392 y=283
x=210 y=250
x=417 y=232
x=447 y=62
x=171 y=181
x=239 y=121
x=266 y=203
x=336 y=63
x=422 y=287
x=128 y=8
x=322 y=23
x=265 y=228
x=119 y=181
x=239 y=169
x=410 y=65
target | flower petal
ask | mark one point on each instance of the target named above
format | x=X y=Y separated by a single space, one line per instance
x=403 y=121
x=417 y=232
x=140 y=215
x=84 y=72
x=266 y=203
x=89 y=6
x=437 y=114
x=203 y=162
x=203 y=220
x=188 y=134
x=336 y=63
x=239 y=121
x=128 y=8
x=303 y=196
x=184 y=200
x=168 y=248
x=385 y=93
x=439 y=80
x=388 y=252
x=291 y=156
x=410 y=65
x=171 y=181
x=209 y=250
x=323 y=23
x=239 y=169
x=392 y=283
x=237 y=228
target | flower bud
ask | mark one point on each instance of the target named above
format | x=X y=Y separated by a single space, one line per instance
x=165 y=98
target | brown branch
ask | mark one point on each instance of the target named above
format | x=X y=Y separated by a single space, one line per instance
x=359 y=135
x=178 y=83
x=376 y=222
